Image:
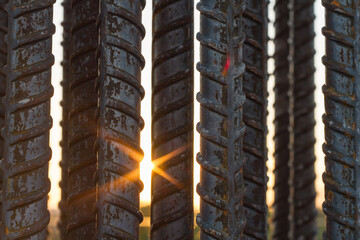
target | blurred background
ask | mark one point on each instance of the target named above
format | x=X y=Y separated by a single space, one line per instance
x=146 y=165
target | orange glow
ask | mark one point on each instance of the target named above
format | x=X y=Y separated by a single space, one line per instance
x=165 y=158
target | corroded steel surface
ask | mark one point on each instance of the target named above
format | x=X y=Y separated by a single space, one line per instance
x=342 y=117
x=82 y=124
x=62 y=224
x=302 y=183
x=26 y=132
x=221 y=126
x=255 y=57
x=172 y=214
x=119 y=121
x=3 y=59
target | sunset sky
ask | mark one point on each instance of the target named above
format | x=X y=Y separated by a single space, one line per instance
x=146 y=109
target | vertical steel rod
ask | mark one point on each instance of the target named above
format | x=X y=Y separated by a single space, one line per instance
x=62 y=224
x=82 y=125
x=26 y=132
x=221 y=126
x=255 y=57
x=291 y=113
x=301 y=222
x=118 y=144
x=3 y=60
x=172 y=214
x=341 y=118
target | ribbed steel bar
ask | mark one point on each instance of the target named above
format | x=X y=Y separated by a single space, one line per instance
x=221 y=126
x=341 y=118
x=302 y=220
x=62 y=224
x=118 y=144
x=27 y=113
x=255 y=78
x=291 y=113
x=82 y=125
x=3 y=60
x=172 y=214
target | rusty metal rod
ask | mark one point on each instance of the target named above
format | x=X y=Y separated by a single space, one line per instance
x=62 y=224
x=301 y=221
x=255 y=78
x=172 y=214
x=341 y=119
x=3 y=60
x=119 y=121
x=26 y=132
x=221 y=126
x=82 y=125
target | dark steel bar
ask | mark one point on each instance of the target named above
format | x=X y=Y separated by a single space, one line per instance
x=82 y=124
x=291 y=113
x=221 y=126
x=172 y=214
x=302 y=221
x=27 y=112
x=119 y=121
x=62 y=224
x=255 y=78
x=341 y=119
x=3 y=60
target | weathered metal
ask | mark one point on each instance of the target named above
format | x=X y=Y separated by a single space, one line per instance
x=27 y=112
x=172 y=214
x=119 y=121
x=221 y=126
x=294 y=205
x=255 y=78
x=3 y=60
x=83 y=99
x=341 y=119
x=66 y=24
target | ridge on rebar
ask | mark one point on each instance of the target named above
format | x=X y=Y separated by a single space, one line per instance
x=27 y=112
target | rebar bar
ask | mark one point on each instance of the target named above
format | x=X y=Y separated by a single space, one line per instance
x=82 y=125
x=341 y=119
x=172 y=214
x=62 y=224
x=255 y=78
x=119 y=121
x=291 y=113
x=303 y=219
x=221 y=126
x=3 y=60
x=27 y=113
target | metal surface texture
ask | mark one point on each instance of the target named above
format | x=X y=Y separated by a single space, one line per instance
x=255 y=78
x=172 y=214
x=26 y=131
x=221 y=126
x=119 y=121
x=3 y=60
x=341 y=119
x=294 y=205
x=66 y=24
x=82 y=125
